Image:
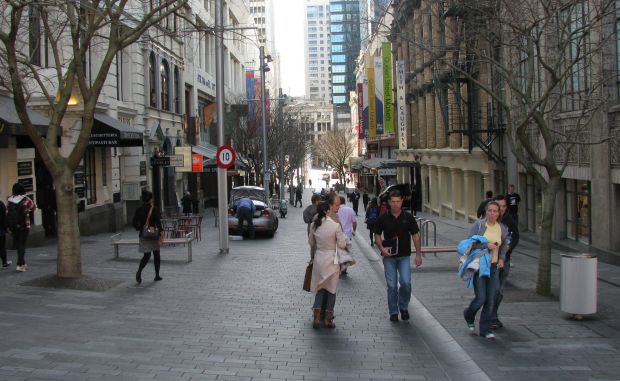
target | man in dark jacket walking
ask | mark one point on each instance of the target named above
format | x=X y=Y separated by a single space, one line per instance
x=3 y=228
x=513 y=232
x=298 y=195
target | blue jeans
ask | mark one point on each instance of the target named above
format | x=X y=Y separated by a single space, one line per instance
x=485 y=290
x=398 y=271
x=503 y=275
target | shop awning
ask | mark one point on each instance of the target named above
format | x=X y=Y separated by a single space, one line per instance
x=207 y=150
x=109 y=132
x=10 y=124
x=379 y=162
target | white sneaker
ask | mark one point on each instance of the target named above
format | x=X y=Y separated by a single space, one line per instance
x=489 y=335
x=21 y=269
x=6 y=265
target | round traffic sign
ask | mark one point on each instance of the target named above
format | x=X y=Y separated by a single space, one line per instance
x=225 y=157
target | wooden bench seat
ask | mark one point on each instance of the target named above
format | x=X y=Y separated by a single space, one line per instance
x=117 y=241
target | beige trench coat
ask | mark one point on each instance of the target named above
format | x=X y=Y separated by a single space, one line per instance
x=326 y=270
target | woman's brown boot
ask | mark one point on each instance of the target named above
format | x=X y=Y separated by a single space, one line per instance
x=316 y=323
x=329 y=319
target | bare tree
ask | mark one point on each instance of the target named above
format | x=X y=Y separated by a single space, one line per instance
x=75 y=33
x=540 y=64
x=334 y=148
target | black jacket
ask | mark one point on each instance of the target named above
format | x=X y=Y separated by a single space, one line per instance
x=513 y=231
x=2 y=219
x=139 y=218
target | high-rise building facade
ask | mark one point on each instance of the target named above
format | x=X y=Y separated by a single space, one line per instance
x=317 y=50
x=344 y=16
x=262 y=16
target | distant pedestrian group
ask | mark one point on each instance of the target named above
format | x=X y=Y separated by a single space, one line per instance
x=484 y=265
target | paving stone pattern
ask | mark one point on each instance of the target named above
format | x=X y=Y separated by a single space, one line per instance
x=243 y=316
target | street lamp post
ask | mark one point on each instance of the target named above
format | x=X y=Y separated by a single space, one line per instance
x=263 y=69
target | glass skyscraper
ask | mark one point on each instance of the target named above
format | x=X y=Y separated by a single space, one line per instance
x=344 y=17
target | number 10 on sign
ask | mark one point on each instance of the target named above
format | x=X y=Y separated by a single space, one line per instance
x=225 y=157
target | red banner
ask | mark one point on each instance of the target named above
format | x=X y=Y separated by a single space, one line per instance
x=196 y=162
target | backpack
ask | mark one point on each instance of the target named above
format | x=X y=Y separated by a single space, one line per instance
x=16 y=216
x=373 y=214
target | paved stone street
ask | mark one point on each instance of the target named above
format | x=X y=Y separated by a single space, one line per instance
x=243 y=316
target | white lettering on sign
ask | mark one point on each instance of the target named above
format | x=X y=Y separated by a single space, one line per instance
x=401 y=101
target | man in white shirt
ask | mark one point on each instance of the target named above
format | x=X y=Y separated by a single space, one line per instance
x=348 y=221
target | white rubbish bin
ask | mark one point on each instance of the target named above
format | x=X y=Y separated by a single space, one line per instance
x=578 y=291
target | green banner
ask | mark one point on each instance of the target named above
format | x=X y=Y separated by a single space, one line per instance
x=388 y=97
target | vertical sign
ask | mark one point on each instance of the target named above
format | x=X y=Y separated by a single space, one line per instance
x=379 y=93
x=401 y=104
x=372 y=105
x=196 y=162
x=360 y=111
x=388 y=102
x=365 y=104
x=249 y=93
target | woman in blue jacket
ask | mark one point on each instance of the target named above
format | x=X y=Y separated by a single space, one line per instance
x=485 y=287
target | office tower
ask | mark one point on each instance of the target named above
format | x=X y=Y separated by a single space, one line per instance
x=317 y=50
x=344 y=18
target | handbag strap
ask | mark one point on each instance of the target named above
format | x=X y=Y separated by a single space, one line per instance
x=148 y=217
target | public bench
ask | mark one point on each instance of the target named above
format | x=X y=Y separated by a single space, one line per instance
x=437 y=249
x=186 y=240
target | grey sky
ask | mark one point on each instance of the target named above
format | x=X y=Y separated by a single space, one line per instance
x=289 y=20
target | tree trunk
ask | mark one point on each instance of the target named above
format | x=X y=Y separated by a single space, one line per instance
x=69 y=258
x=543 y=285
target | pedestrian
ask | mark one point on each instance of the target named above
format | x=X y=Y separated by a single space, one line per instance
x=513 y=233
x=3 y=230
x=513 y=199
x=19 y=211
x=186 y=202
x=148 y=216
x=398 y=228
x=483 y=204
x=311 y=211
x=327 y=237
x=245 y=212
x=355 y=199
x=372 y=213
x=298 y=195
x=348 y=221
x=485 y=287
x=365 y=200
x=309 y=183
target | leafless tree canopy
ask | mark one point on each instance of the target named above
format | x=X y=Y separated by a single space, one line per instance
x=334 y=149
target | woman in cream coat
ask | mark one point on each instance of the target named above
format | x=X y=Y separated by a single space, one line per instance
x=325 y=235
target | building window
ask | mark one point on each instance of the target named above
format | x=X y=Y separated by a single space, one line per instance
x=339 y=69
x=34 y=35
x=90 y=178
x=152 y=80
x=165 y=85
x=177 y=90
x=339 y=58
x=574 y=35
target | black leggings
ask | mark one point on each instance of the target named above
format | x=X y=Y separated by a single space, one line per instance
x=145 y=260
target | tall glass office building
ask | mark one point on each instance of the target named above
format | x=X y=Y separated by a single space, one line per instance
x=344 y=17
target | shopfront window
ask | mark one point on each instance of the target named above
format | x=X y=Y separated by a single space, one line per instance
x=90 y=177
x=578 y=217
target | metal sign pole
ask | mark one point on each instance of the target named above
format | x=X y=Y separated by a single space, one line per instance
x=222 y=191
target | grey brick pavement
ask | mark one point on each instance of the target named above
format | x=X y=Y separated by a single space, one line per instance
x=539 y=342
x=243 y=316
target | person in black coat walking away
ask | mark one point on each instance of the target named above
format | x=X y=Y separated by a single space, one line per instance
x=298 y=195
x=148 y=216
x=355 y=199
x=3 y=230
x=186 y=203
x=365 y=200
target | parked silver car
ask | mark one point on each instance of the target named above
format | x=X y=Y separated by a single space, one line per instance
x=265 y=219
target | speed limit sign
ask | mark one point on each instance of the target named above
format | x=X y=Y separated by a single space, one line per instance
x=225 y=157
